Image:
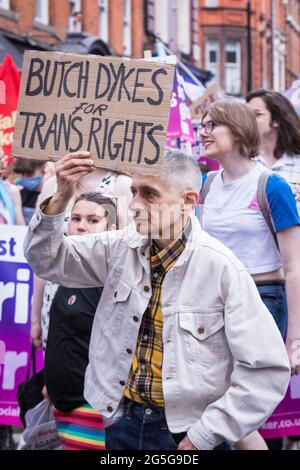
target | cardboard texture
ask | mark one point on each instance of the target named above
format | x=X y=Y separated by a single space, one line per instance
x=116 y=108
x=198 y=108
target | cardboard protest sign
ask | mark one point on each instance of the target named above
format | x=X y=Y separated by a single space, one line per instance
x=116 y=108
x=198 y=108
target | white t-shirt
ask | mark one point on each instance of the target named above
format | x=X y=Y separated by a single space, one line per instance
x=232 y=214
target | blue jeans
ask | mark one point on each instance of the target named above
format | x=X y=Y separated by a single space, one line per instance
x=273 y=296
x=143 y=427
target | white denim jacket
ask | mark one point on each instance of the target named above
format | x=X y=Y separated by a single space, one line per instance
x=225 y=367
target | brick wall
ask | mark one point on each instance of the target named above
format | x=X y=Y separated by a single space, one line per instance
x=137 y=19
x=229 y=20
x=90 y=11
x=21 y=20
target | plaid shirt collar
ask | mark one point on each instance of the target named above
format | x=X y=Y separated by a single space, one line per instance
x=166 y=258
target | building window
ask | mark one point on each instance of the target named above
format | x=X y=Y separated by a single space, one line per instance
x=75 y=19
x=233 y=67
x=184 y=26
x=5 y=4
x=103 y=20
x=75 y=6
x=211 y=3
x=127 y=27
x=213 y=59
x=161 y=20
x=42 y=11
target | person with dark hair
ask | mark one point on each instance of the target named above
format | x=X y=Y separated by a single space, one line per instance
x=30 y=177
x=79 y=426
x=279 y=128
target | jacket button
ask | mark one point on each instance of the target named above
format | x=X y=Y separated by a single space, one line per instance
x=147 y=289
x=122 y=383
x=129 y=351
x=115 y=294
x=135 y=318
x=201 y=329
x=110 y=409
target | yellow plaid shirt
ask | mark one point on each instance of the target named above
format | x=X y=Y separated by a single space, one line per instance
x=145 y=379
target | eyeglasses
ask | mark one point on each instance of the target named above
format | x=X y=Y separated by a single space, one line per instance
x=208 y=127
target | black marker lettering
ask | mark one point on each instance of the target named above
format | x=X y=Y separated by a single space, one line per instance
x=48 y=89
x=92 y=136
x=24 y=135
x=116 y=77
x=88 y=109
x=34 y=74
x=130 y=140
x=100 y=109
x=116 y=146
x=123 y=84
x=105 y=134
x=155 y=144
x=143 y=126
x=67 y=91
x=139 y=85
x=99 y=94
x=83 y=79
x=78 y=108
x=52 y=129
x=36 y=131
x=80 y=136
x=64 y=131
x=62 y=76
x=160 y=92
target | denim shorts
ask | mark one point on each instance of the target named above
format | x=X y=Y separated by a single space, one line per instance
x=273 y=296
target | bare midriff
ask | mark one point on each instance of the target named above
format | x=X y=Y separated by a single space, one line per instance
x=272 y=276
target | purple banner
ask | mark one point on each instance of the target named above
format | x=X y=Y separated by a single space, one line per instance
x=16 y=286
x=285 y=421
x=180 y=123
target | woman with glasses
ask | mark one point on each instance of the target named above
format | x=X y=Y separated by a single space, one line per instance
x=232 y=214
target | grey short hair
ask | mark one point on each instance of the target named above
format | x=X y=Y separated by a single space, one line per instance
x=181 y=171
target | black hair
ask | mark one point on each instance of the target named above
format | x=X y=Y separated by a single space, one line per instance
x=283 y=112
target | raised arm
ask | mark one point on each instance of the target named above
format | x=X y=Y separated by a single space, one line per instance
x=69 y=261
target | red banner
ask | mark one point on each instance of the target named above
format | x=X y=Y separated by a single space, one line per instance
x=9 y=91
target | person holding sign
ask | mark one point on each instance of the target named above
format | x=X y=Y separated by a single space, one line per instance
x=183 y=354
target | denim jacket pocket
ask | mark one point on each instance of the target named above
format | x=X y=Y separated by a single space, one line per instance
x=203 y=335
x=120 y=296
x=121 y=292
